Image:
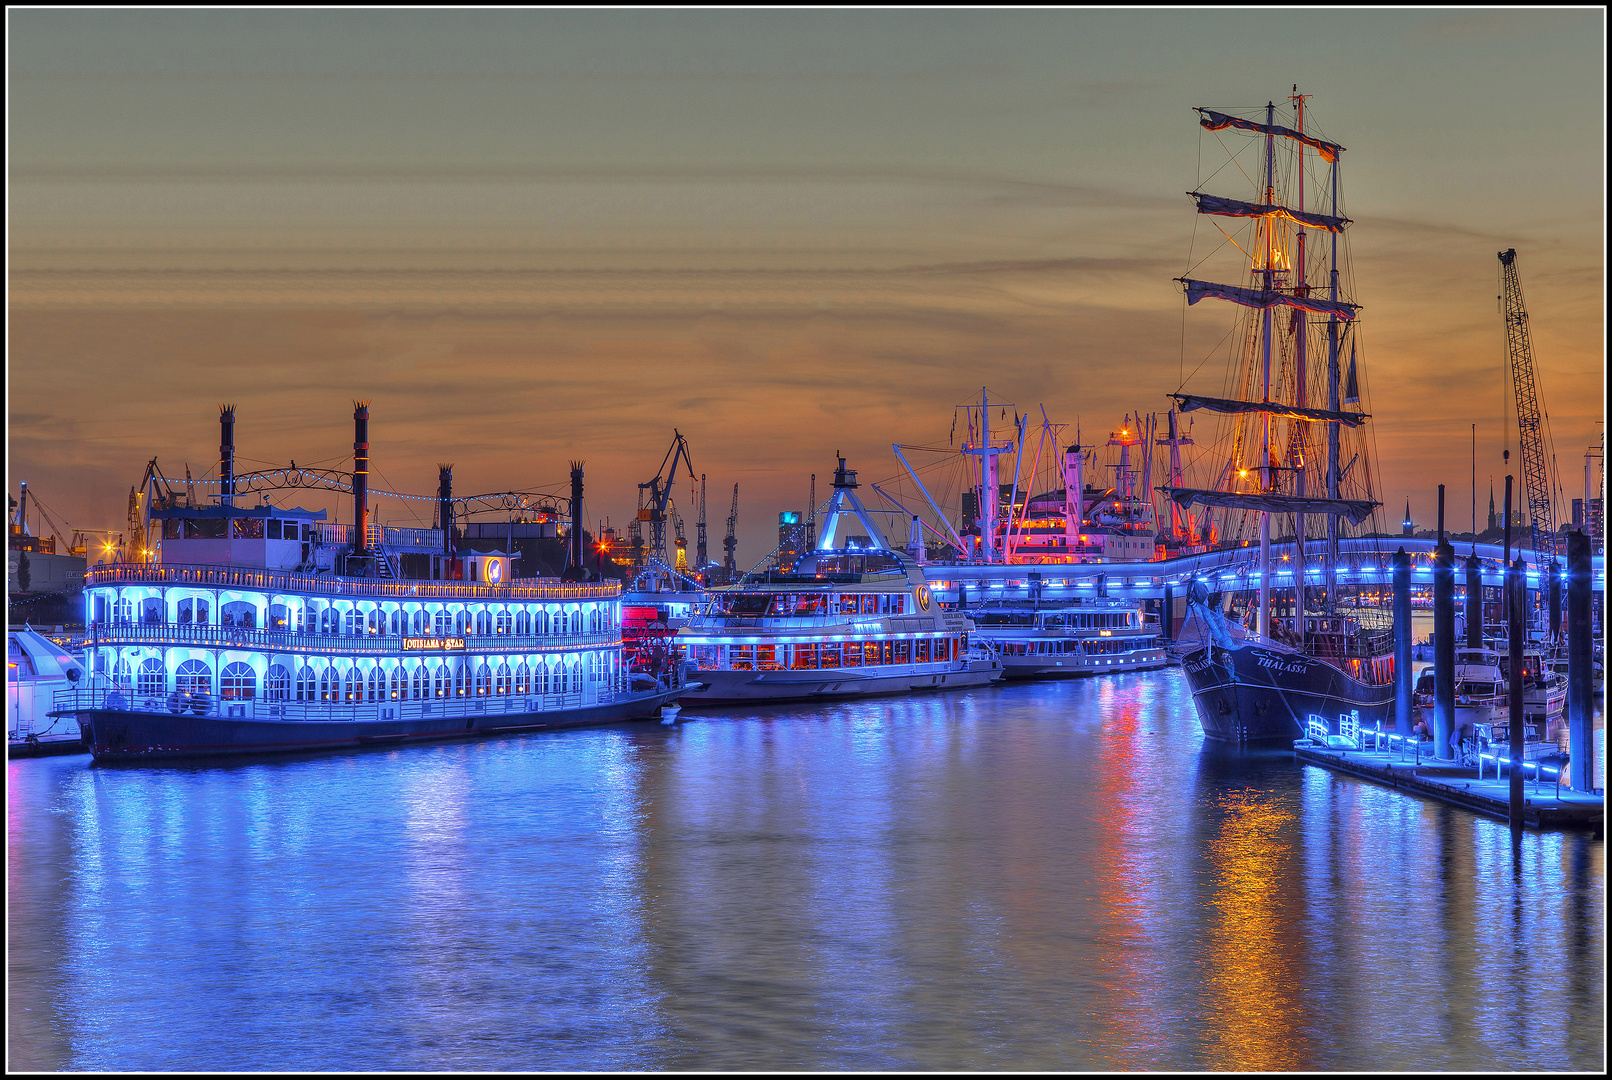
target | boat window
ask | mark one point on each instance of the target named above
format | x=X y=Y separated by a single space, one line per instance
x=204 y=528
x=277 y=686
x=247 y=528
x=238 y=613
x=748 y=603
x=153 y=679
x=238 y=682
x=305 y=684
x=194 y=677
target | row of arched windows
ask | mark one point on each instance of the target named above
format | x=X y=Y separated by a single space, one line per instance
x=324 y=619
x=238 y=681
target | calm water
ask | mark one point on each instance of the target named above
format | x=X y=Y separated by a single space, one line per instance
x=1041 y=876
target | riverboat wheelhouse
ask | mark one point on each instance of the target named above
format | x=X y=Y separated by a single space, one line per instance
x=852 y=619
x=266 y=628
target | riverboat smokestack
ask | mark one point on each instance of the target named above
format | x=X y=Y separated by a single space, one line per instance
x=445 y=506
x=360 y=477
x=576 y=515
x=226 y=455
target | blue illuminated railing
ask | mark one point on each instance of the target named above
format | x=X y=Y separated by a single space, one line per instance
x=299 y=641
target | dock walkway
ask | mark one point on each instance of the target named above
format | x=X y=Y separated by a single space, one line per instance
x=1545 y=805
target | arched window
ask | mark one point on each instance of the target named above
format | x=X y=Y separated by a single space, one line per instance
x=441 y=623
x=461 y=679
x=277 y=687
x=542 y=621
x=400 y=623
x=422 y=683
x=377 y=621
x=576 y=677
x=461 y=622
x=444 y=681
x=305 y=684
x=353 y=623
x=400 y=683
x=523 y=622
x=329 y=621
x=238 y=682
x=506 y=621
x=523 y=678
x=484 y=680
x=540 y=678
x=377 y=684
x=194 y=677
x=153 y=679
x=238 y=613
x=122 y=673
x=503 y=680
x=422 y=622
x=279 y=617
x=483 y=622
x=330 y=685
x=151 y=610
x=123 y=612
x=353 y=691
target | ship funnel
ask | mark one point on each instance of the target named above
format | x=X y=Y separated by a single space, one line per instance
x=226 y=455
x=576 y=515
x=360 y=477
x=445 y=506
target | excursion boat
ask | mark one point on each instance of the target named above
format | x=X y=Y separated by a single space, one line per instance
x=851 y=619
x=261 y=628
x=1296 y=452
x=36 y=670
x=1087 y=637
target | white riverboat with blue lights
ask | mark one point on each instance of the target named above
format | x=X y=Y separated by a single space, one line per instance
x=257 y=629
x=1079 y=637
x=851 y=619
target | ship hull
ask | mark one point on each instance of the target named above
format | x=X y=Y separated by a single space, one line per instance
x=1046 y=667
x=1254 y=693
x=130 y=735
x=753 y=687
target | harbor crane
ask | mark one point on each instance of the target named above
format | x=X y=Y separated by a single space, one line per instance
x=659 y=487
x=1531 y=434
x=729 y=542
x=701 y=554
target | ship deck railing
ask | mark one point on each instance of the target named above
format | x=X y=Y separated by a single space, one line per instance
x=69 y=702
x=329 y=585
x=304 y=641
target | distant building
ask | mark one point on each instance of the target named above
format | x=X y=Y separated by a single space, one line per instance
x=791 y=538
x=1407 y=527
x=1494 y=519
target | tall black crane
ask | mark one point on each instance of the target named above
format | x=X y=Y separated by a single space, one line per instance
x=700 y=552
x=729 y=542
x=1530 y=431
x=659 y=487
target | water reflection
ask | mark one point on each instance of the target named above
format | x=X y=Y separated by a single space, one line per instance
x=1056 y=876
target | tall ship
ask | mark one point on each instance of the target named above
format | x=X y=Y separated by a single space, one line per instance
x=852 y=618
x=1294 y=453
x=248 y=629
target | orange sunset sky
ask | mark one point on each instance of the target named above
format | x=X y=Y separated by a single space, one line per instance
x=532 y=236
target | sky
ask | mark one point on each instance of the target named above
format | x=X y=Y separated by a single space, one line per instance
x=531 y=236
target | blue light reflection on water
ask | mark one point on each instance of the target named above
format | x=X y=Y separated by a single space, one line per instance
x=1042 y=876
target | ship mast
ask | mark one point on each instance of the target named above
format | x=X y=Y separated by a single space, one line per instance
x=1300 y=380
x=1262 y=626
x=1331 y=568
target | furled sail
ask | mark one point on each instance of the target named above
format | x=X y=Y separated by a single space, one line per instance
x=1215 y=121
x=1351 y=388
x=1356 y=510
x=1189 y=402
x=1259 y=298
x=1222 y=207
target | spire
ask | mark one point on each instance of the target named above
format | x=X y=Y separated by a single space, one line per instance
x=1407 y=525
x=1492 y=523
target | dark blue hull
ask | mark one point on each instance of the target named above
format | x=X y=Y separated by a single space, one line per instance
x=132 y=735
x=1256 y=693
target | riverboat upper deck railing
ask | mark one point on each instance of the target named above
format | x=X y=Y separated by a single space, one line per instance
x=329 y=585
x=308 y=641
